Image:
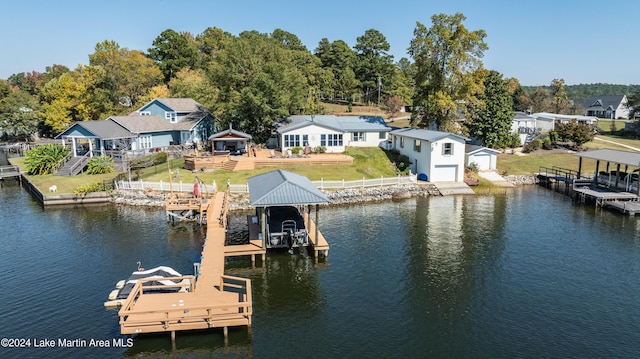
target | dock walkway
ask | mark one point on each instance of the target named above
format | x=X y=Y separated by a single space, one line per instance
x=210 y=300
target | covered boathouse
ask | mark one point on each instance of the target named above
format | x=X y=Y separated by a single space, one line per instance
x=283 y=202
x=615 y=181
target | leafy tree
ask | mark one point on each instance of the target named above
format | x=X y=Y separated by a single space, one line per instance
x=392 y=105
x=559 y=101
x=538 y=100
x=493 y=122
x=42 y=160
x=19 y=114
x=403 y=80
x=210 y=42
x=259 y=82
x=53 y=72
x=288 y=39
x=374 y=66
x=633 y=103
x=575 y=132
x=340 y=59
x=447 y=59
x=194 y=84
x=172 y=52
x=518 y=94
x=100 y=164
x=130 y=73
x=5 y=89
x=80 y=95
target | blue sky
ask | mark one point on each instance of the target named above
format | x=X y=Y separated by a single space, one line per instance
x=534 y=41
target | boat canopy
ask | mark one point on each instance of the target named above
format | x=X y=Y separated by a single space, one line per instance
x=278 y=188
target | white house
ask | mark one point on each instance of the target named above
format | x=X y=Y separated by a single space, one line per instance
x=547 y=121
x=332 y=132
x=607 y=106
x=439 y=155
x=485 y=158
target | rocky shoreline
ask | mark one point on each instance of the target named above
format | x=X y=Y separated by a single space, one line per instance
x=240 y=201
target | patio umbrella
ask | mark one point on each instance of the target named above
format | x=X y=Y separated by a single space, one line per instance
x=306 y=149
x=196 y=189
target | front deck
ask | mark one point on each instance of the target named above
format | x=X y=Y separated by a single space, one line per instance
x=259 y=158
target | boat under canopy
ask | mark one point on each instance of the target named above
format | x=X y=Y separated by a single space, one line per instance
x=280 y=198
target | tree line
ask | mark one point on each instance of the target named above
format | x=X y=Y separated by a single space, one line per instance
x=254 y=79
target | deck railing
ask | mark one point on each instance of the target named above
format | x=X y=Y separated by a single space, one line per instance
x=133 y=319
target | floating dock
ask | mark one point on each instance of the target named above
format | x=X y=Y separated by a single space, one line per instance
x=211 y=300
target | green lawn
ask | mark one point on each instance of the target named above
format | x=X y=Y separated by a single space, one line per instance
x=367 y=163
x=65 y=184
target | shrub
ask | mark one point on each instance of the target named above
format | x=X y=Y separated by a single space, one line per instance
x=43 y=159
x=546 y=144
x=296 y=150
x=99 y=165
x=86 y=188
x=472 y=167
x=319 y=149
x=532 y=146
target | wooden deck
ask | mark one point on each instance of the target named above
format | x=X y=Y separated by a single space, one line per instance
x=9 y=171
x=262 y=158
x=212 y=300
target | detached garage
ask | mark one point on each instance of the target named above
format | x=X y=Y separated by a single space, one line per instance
x=485 y=158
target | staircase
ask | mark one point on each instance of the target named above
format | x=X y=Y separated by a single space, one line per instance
x=229 y=165
x=72 y=167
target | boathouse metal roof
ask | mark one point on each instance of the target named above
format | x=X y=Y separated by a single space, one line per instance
x=615 y=156
x=280 y=187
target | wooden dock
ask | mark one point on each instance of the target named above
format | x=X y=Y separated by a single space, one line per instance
x=209 y=300
x=9 y=171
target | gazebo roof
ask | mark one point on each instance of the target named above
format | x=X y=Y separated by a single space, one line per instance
x=277 y=188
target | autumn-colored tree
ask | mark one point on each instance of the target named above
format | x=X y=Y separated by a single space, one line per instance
x=447 y=59
x=130 y=73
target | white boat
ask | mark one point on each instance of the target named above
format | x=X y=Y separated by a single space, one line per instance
x=123 y=288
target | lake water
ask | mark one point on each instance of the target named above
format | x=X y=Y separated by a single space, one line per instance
x=521 y=274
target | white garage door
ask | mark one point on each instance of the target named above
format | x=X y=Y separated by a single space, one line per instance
x=483 y=161
x=444 y=173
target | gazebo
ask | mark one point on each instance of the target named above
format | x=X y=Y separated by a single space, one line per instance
x=230 y=140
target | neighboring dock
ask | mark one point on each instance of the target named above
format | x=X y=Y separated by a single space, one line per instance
x=9 y=171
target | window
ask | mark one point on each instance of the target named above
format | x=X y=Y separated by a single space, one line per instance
x=305 y=140
x=382 y=135
x=185 y=137
x=401 y=142
x=291 y=140
x=358 y=137
x=334 y=139
x=447 y=149
x=323 y=140
x=171 y=116
x=417 y=145
x=145 y=113
x=145 y=141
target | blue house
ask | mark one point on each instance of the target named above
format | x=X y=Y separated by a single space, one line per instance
x=156 y=125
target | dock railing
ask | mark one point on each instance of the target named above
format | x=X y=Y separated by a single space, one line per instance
x=149 y=319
